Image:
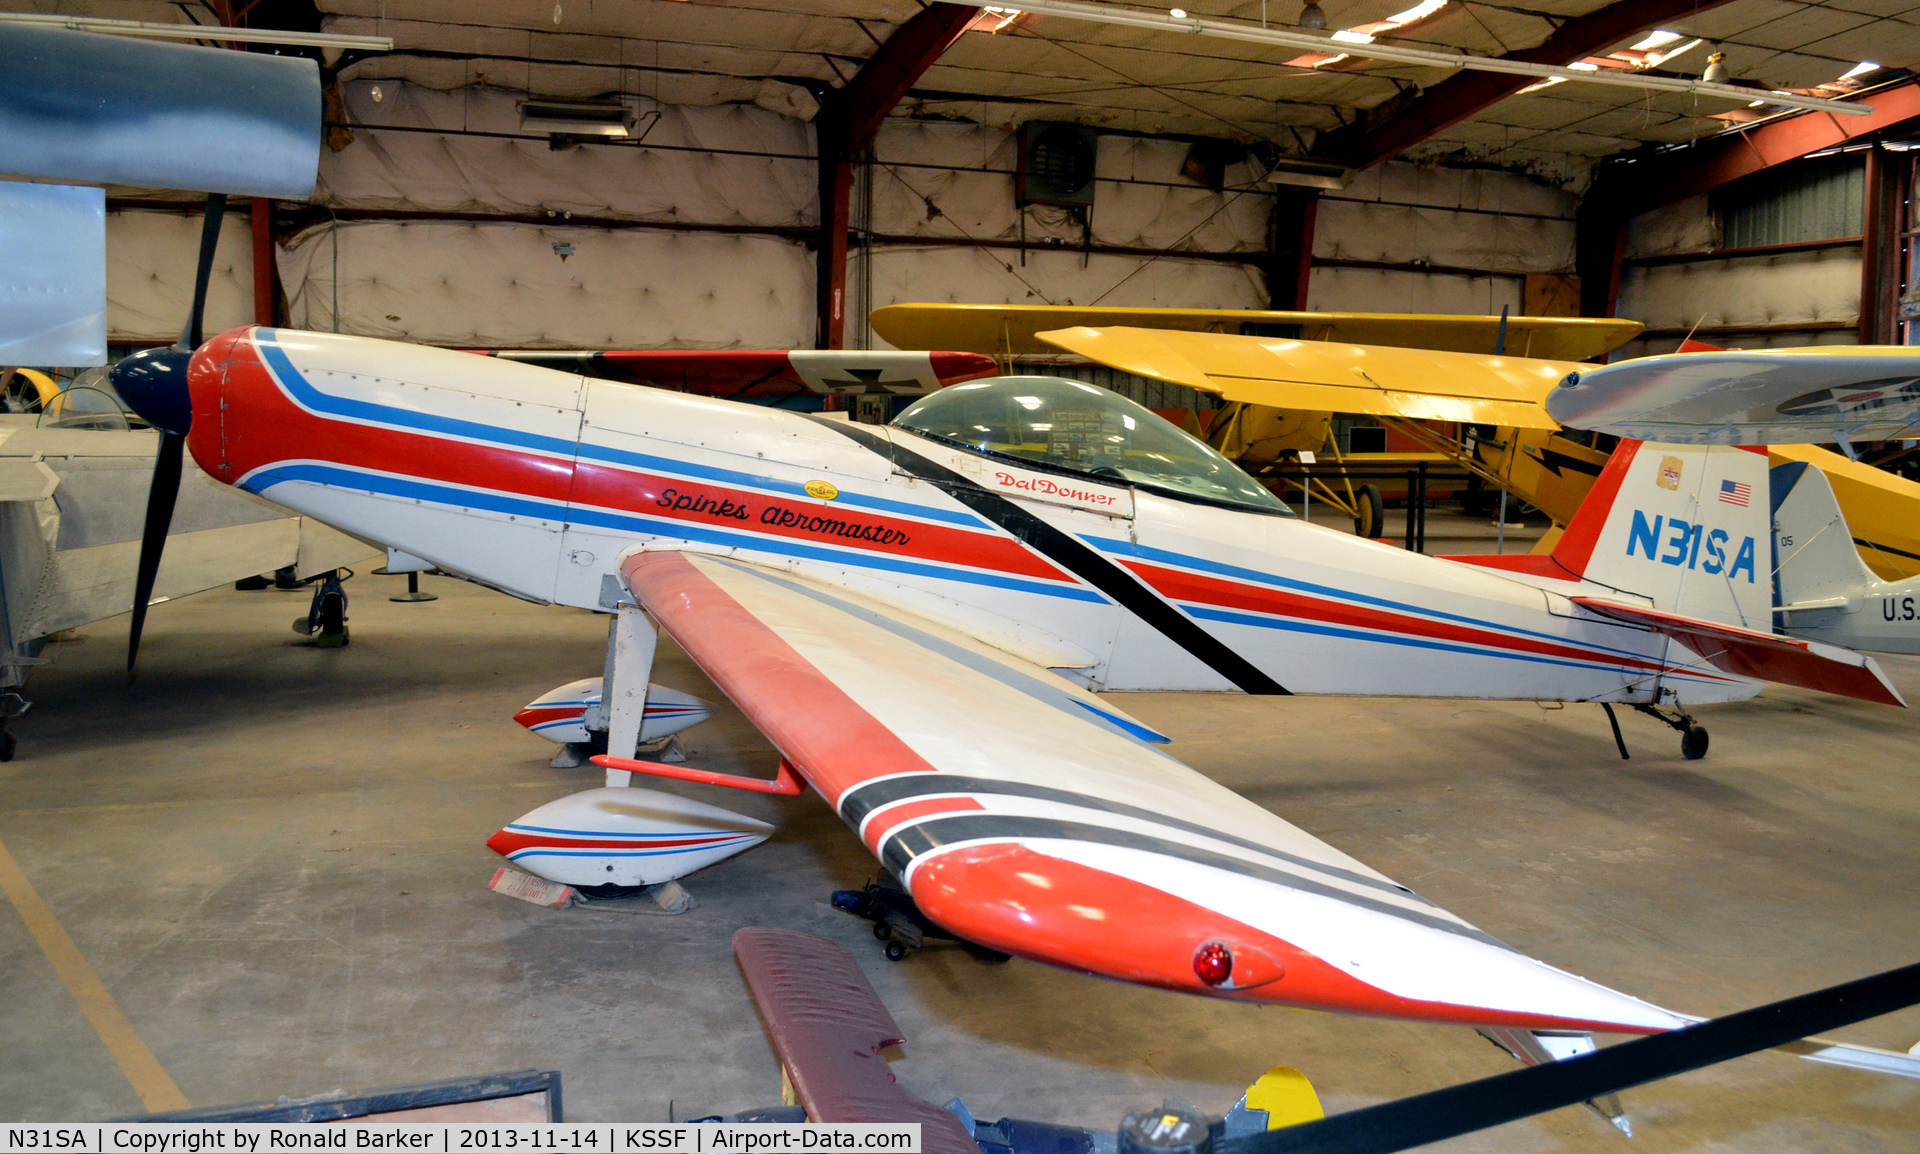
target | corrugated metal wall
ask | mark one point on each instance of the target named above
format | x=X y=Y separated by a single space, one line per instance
x=1814 y=200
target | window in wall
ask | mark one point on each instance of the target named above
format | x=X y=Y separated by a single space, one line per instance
x=1821 y=199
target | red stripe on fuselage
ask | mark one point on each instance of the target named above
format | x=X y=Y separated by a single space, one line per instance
x=804 y=519
x=1180 y=586
x=259 y=425
x=262 y=426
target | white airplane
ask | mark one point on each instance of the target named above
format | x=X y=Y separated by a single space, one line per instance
x=1826 y=592
x=917 y=615
x=1837 y=393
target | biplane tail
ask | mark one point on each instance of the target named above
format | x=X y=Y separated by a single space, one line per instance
x=1817 y=563
x=1682 y=526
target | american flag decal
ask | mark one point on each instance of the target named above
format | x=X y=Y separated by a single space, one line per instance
x=1736 y=493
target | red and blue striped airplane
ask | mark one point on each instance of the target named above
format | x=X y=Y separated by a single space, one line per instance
x=919 y=617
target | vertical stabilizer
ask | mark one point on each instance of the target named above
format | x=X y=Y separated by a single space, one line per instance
x=1814 y=555
x=1684 y=526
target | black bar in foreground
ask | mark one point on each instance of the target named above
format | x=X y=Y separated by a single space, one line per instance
x=1424 y=1118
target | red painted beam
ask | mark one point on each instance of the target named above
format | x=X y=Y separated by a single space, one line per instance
x=1290 y=247
x=265 y=310
x=1636 y=186
x=1888 y=177
x=899 y=64
x=1466 y=94
x=848 y=122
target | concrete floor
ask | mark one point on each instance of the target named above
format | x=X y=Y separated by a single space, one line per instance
x=273 y=857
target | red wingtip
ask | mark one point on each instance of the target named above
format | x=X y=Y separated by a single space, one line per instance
x=952 y=368
x=501 y=843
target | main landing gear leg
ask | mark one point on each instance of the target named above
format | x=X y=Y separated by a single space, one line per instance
x=1693 y=736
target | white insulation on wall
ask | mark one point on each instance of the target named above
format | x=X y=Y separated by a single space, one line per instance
x=417 y=150
x=1817 y=287
x=505 y=285
x=440 y=171
x=151 y=257
x=971 y=194
x=1404 y=213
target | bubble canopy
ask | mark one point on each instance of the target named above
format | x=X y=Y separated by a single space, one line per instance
x=1069 y=426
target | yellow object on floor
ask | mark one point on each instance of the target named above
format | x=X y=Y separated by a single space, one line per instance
x=1287 y=1097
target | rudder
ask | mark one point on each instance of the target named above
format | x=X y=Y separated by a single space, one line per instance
x=1814 y=556
x=1684 y=526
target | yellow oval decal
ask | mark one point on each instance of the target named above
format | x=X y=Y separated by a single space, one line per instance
x=821 y=490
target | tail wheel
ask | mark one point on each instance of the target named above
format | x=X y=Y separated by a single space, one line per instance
x=896 y=952
x=1370 y=512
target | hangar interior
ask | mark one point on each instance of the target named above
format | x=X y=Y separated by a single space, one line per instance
x=268 y=858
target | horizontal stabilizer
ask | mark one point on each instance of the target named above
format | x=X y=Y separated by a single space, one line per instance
x=1787 y=660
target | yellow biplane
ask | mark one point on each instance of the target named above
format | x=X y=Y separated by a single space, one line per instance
x=1282 y=376
x=1282 y=387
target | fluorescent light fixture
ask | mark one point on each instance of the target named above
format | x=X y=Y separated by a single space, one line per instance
x=201 y=32
x=1860 y=69
x=1655 y=40
x=1549 y=82
x=1250 y=33
x=1303 y=172
x=577 y=117
x=1583 y=66
x=1346 y=36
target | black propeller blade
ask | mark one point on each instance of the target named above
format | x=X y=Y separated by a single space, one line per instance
x=154 y=385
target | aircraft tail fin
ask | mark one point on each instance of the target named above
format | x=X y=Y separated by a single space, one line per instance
x=1815 y=561
x=1683 y=526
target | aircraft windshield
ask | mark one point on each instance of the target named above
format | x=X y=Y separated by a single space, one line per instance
x=1075 y=427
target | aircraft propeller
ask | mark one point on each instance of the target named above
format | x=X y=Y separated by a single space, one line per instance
x=153 y=382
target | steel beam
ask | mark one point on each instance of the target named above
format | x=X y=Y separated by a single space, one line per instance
x=849 y=119
x=265 y=310
x=1599 y=252
x=1290 y=247
x=1369 y=141
x=1889 y=175
x=1631 y=187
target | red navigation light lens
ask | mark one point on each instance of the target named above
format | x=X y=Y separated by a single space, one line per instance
x=1213 y=963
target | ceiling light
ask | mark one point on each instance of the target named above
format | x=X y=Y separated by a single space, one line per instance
x=1313 y=18
x=577 y=118
x=1716 y=72
x=1660 y=58
x=1416 y=13
x=1583 y=66
x=1304 y=173
x=1349 y=36
x=1655 y=40
x=1400 y=53
x=1860 y=69
x=1549 y=82
x=1177 y=13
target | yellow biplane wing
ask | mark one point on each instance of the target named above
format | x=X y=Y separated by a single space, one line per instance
x=1013 y=330
x=1412 y=384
